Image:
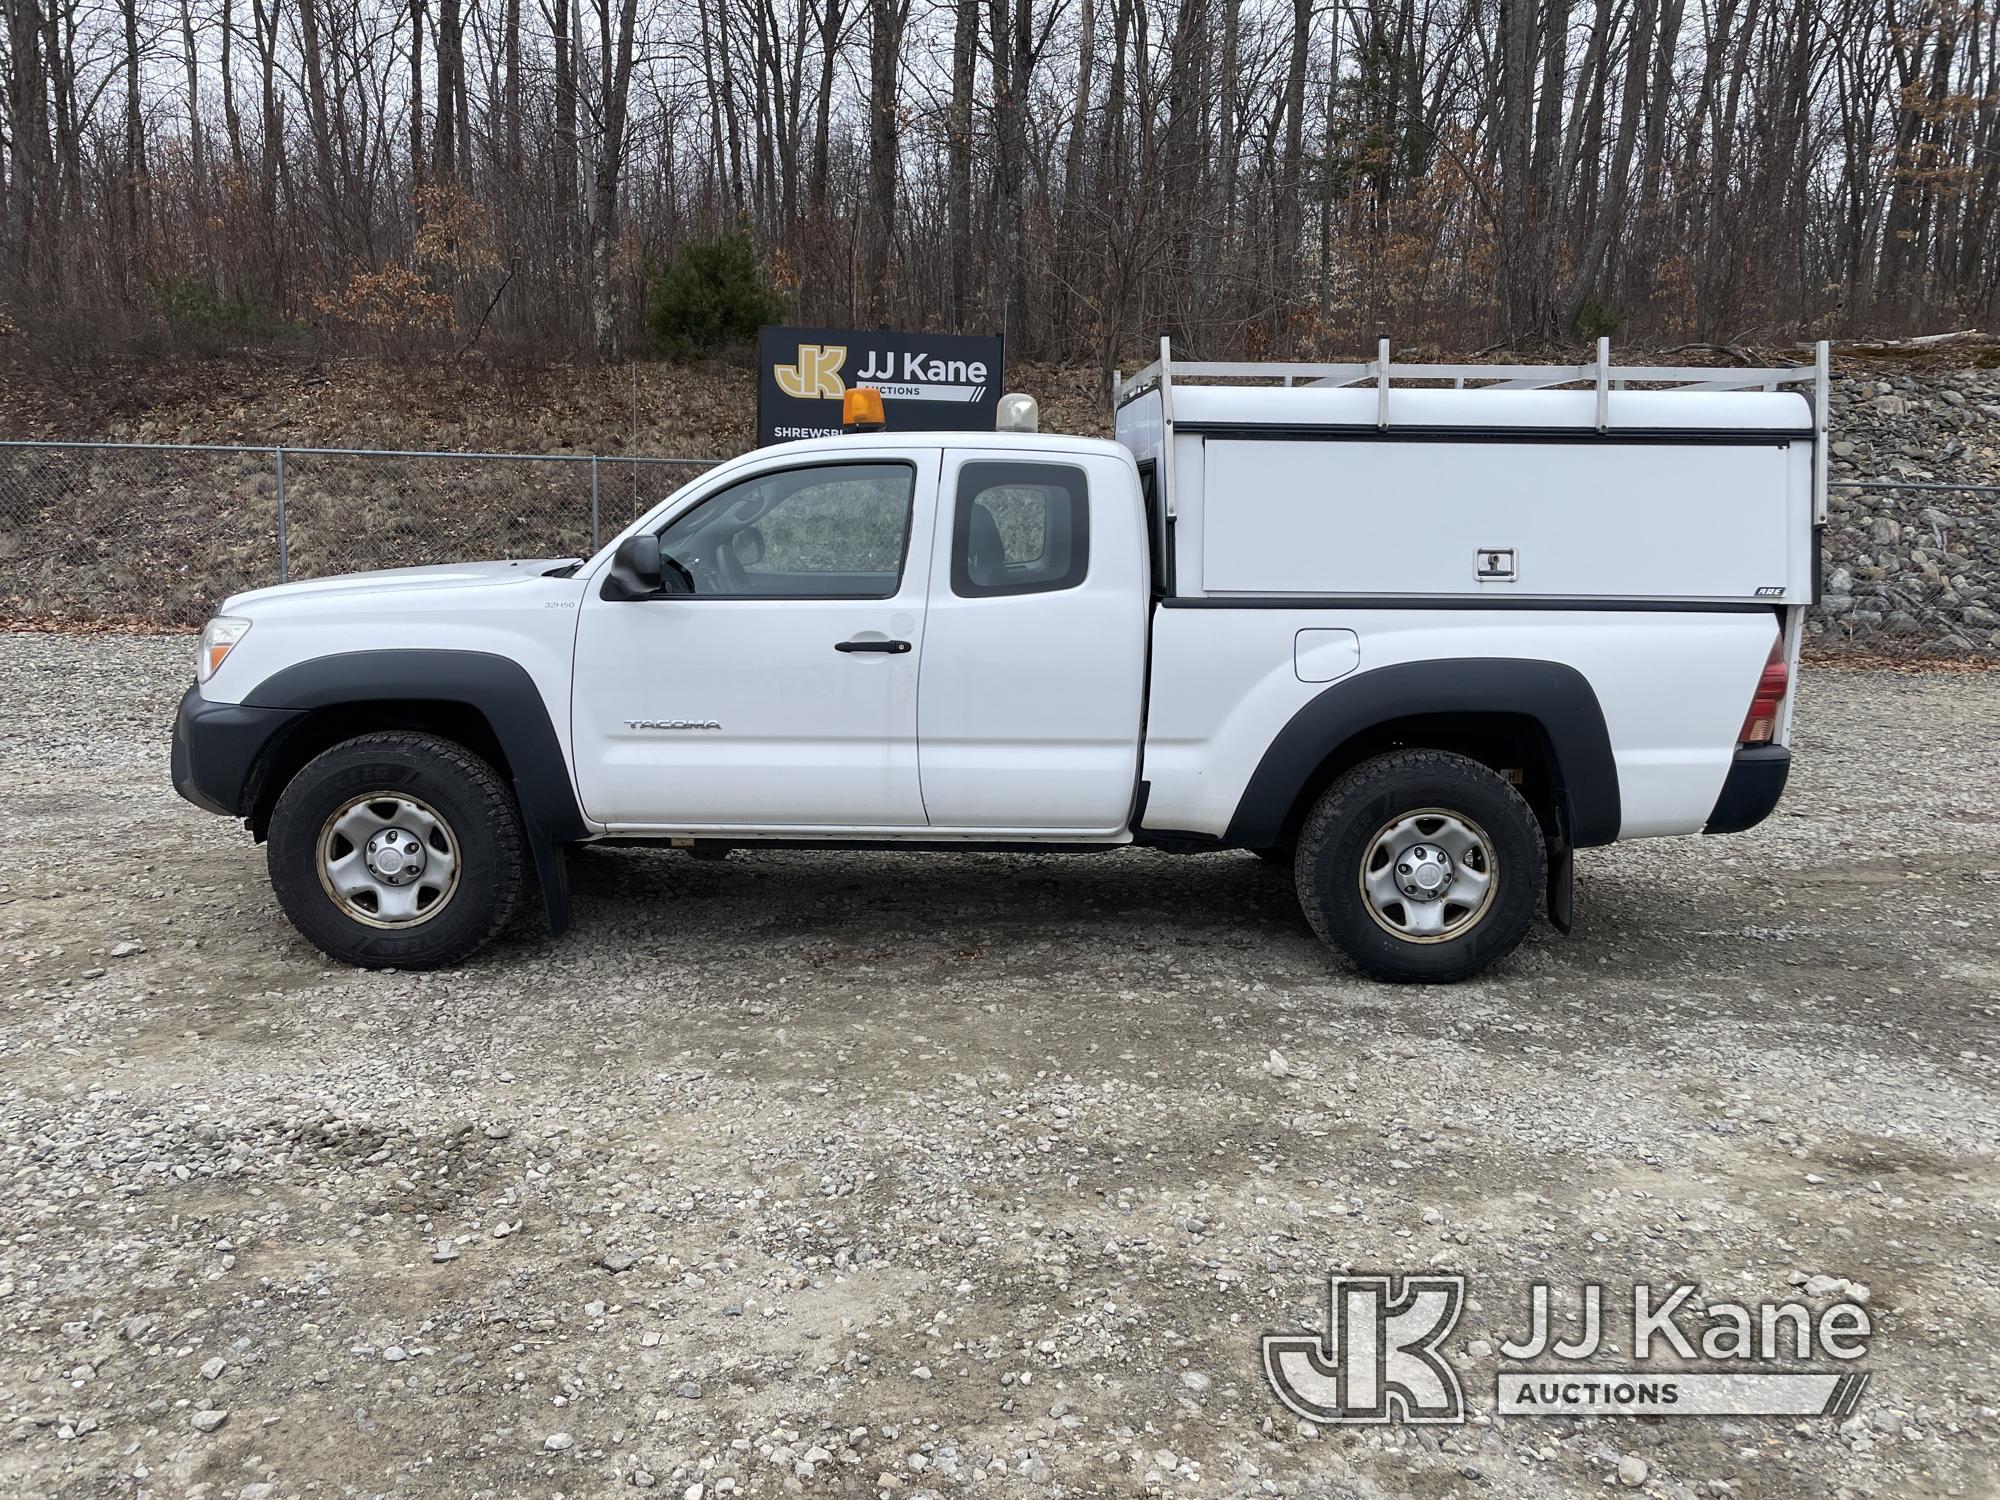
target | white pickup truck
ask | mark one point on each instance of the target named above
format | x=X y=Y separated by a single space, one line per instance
x=1415 y=632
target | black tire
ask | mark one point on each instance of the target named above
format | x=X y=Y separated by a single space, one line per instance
x=481 y=826
x=1341 y=837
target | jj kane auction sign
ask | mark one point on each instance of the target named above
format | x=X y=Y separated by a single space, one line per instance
x=930 y=382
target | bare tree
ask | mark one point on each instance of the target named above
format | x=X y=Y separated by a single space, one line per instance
x=886 y=19
x=617 y=89
x=1263 y=175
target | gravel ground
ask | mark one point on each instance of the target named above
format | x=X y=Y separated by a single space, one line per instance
x=857 y=1173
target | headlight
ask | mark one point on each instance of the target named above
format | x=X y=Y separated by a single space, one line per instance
x=218 y=639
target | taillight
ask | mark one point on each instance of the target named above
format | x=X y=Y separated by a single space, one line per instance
x=1760 y=725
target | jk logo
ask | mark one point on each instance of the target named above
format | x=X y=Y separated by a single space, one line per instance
x=1379 y=1361
x=816 y=376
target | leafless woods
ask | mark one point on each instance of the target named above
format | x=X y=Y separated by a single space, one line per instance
x=1253 y=176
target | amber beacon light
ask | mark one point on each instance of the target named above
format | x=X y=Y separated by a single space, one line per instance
x=861 y=410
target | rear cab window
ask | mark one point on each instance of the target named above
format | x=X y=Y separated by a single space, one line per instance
x=1019 y=528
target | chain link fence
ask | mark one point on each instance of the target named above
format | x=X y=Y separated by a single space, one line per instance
x=160 y=534
x=1910 y=568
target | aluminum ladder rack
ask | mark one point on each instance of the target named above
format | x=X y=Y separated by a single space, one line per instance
x=1382 y=372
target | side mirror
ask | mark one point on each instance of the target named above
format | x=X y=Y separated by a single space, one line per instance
x=635 y=571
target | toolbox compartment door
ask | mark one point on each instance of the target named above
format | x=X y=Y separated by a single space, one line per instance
x=1718 y=516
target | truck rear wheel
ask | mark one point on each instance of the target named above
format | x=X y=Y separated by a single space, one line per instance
x=1422 y=866
x=396 y=850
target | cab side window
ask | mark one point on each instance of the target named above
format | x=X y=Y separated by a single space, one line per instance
x=1019 y=528
x=831 y=531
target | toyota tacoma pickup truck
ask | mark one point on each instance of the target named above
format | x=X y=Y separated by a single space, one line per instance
x=1416 y=633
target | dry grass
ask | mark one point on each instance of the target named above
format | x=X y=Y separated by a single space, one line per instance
x=158 y=538
x=152 y=541
x=649 y=409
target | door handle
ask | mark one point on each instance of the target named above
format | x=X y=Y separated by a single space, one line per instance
x=888 y=648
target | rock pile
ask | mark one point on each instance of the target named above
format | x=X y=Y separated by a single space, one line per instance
x=1912 y=569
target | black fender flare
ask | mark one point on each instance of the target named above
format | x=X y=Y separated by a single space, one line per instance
x=500 y=691
x=1556 y=696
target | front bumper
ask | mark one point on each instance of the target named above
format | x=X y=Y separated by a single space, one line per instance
x=218 y=749
x=1755 y=782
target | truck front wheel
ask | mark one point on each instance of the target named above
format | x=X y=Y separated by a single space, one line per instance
x=396 y=850
x=1422 y=866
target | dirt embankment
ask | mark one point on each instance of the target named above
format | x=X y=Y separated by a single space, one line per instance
x=1912 y=565
x=647 y=409
x=155 y=538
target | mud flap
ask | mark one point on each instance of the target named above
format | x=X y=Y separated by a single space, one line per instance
x=551 y=869
x=1562 y=889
